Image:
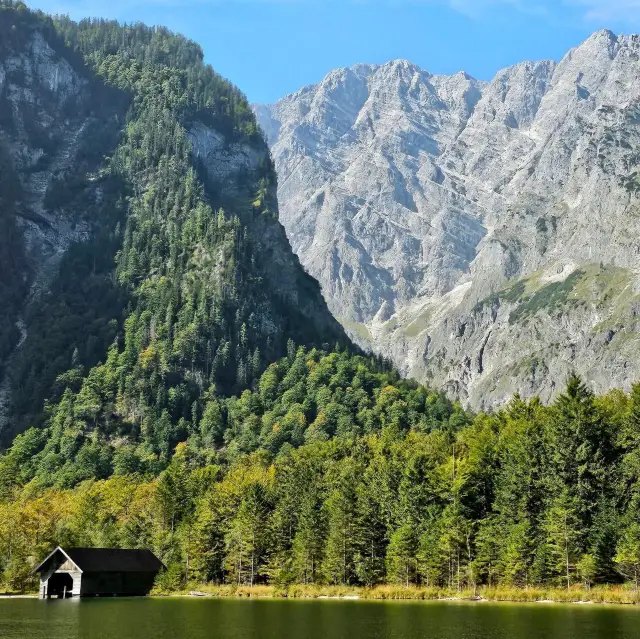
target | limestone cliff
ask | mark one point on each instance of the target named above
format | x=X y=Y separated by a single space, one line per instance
x=49 y=114
x=482 y=235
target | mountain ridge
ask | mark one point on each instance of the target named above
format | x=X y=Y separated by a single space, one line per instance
x=441 y=192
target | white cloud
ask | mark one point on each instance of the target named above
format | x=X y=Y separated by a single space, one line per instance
x=476 y=7
x=618 y=11
x=614 y=13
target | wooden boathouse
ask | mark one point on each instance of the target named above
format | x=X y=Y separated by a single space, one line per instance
x=97 y=572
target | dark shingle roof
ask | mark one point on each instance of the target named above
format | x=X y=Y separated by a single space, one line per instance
x=113 y=560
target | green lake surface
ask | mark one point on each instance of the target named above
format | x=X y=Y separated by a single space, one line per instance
x=242 y=619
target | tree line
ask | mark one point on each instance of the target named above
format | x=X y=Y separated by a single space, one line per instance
x=387 y=485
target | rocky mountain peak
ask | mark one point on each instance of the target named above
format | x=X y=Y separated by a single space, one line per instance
x=477 y=233
x=402 y=69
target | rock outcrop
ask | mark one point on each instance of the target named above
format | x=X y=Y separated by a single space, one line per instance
x=482 y=235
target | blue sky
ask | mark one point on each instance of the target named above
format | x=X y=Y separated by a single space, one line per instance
x=273 y=47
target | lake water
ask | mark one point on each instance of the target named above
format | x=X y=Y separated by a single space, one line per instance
x=237 y=619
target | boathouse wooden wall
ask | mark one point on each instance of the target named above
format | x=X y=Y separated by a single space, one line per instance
x=116 y=583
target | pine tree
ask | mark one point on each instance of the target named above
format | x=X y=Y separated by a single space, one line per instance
x=628 y=555
x=563 y=533
x=341 y=548
x=309 y=541
x=401 y=555
x=579 y=441
x=245 y=540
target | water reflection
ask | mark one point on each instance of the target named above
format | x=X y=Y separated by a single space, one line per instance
x=215 y=619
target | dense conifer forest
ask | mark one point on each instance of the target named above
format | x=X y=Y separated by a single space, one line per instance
x=155 y=411
x=330 y=473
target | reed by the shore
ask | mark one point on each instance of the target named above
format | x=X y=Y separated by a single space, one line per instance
x=577 y=594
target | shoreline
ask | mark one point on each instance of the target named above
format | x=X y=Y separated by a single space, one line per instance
x=604 y=595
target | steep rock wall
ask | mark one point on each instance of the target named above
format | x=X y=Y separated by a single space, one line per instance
x=419 y=200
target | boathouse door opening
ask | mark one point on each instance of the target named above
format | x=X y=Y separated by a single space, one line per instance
x=60 y=584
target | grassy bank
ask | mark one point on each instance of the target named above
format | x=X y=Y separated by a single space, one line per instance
x=599 y=594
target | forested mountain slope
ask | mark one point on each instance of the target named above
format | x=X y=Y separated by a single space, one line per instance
x=478 y=234
x=140 y=226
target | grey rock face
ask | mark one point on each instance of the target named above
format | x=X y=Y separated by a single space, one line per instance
x=223 y=160
x=484 y=236
x=38 y=86
x=41 y=96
